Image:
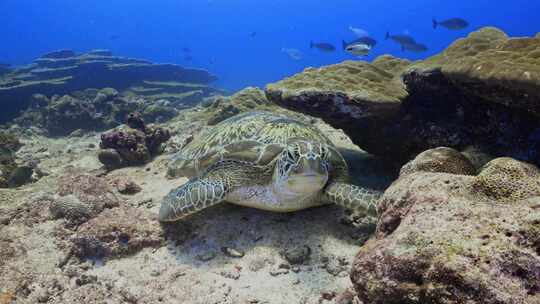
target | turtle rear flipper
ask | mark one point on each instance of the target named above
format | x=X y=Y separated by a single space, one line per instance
x=361 y=200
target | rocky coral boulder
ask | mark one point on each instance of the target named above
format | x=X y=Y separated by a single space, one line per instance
x=482 y=91
x=133 y=144
x=490 y=66
x=117 y=232
x=11 y=173
x=441 y=160
x=369 y=95
x=455 y=238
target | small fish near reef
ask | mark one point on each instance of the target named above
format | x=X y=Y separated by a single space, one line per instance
x=356 y=48
x=323 y=46
x=358 y=31
x=294 y=54
x=401 y=39
x=451 y=24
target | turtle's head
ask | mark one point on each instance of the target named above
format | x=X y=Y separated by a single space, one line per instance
x=302 y=167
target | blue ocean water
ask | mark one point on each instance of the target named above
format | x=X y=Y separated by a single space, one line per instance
x=241 y=41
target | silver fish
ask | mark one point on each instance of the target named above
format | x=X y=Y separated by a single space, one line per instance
x=356 y=48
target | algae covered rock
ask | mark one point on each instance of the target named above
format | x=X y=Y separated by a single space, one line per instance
x=248 y=99
x=508 y=180
x=355 y=96
x=441 y=240
x=440 y=159
x=481 y=91
x=134 y=144
x=9 y=169
x=493 y=67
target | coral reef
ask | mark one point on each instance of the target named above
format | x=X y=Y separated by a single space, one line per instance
x=481 y=91
x=64 y=72
x=135 y=144
x=452 y=238
x=88 y=110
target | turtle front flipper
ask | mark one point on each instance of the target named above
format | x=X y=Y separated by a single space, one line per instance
x=210 y=188
x=192 y=197
x=361 y=200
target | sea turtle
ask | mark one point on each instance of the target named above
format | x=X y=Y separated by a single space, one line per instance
x=266 y=161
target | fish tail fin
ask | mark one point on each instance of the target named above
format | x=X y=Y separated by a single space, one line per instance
x=434 y=23
x=311 y=44
x=344 y=44
x=387 y=35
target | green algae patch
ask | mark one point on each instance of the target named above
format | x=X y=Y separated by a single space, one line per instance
x=359 y=80
x=493 y=67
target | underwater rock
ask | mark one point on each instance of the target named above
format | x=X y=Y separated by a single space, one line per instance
x=20 y=176
x=492 y=67
x=117 y=232
x=442 y=159
x=64 y=72
x=135 y=121
x=92 y=191
x=298 y=254
x=452 y=238
x=245 y=100
x=136 y=144
x=110 y=158
x=93 y=293
x=11 y=174
x=70 y=208
x=219 y=108
x=481 y=91
x=78 y=198
x=126 y=186
x=356 y=96
x=129 y=143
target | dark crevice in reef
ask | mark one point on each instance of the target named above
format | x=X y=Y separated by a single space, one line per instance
x=443 y=112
